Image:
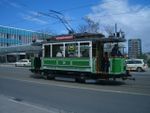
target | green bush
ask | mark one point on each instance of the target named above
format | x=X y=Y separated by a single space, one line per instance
x=148 y=62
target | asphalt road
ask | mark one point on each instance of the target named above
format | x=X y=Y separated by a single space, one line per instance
x=71 y=97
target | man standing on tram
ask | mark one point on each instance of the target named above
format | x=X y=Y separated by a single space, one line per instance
x=115 y=51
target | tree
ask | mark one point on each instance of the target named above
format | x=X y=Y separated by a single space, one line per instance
x=109 y=29
x=143 y=56
x=148 y=62
x=90 y=26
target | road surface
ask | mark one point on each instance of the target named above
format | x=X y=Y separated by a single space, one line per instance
x=71 y=97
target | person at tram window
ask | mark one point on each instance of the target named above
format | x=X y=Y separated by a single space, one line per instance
x=105 y=63
x=85 y=53
x=115 y=51
x=59 y=54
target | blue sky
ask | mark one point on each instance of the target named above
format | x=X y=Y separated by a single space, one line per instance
x=23 y=13
x=132 y=16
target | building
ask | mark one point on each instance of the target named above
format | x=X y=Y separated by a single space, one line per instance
x=11 y=37
x=134 y=48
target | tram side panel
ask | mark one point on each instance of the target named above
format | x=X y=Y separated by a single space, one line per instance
x=66 y=64
x=117 y=68
x=80 y=65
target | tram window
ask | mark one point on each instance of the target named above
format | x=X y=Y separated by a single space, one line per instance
x=57 y=50
x=84 y=49
x=47 y=50
x=71 y=50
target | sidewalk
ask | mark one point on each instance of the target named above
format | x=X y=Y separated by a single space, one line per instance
x=8 y=105
x=7 y=64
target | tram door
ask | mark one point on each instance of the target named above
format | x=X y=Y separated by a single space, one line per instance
x=99 y=56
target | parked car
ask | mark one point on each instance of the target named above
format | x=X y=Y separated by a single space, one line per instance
x=136 y=65
x=23 y=62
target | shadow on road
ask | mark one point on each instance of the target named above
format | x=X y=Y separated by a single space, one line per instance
x=110 y=82
x=37 y=76
x=94 y=82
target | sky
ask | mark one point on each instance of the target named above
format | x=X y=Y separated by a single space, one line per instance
x=131 y=16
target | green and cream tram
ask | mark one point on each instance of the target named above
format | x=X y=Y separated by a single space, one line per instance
x=79 y=56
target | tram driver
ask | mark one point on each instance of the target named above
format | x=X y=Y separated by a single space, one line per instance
x=115 y=51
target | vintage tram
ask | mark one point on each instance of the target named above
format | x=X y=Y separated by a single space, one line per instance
x=79 y=56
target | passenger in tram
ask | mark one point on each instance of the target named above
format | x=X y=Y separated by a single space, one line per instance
x=59 y=54
x=85 y=53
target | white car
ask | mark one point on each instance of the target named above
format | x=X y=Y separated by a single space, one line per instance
x=136 y=65
x=23 y=62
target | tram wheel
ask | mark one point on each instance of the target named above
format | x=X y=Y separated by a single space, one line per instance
x=80 y=80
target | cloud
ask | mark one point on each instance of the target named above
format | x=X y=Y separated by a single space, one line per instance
x=133 y=19
x=34 y=17
x=13 y=4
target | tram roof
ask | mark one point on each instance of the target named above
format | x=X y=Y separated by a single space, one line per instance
x=85 y=37
x=103 y=40
x=94 y=37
